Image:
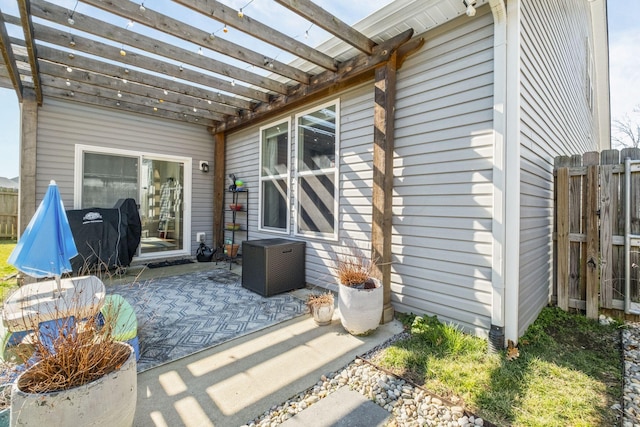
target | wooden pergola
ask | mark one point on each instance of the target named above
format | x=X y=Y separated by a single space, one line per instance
x=85 y=58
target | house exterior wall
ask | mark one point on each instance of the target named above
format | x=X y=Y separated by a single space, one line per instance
x=442 y=198
x=63 y=124
x=442 y=218
x=556 y=119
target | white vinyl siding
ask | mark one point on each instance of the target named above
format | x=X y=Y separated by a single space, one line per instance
x=556 y=119
x=443 y=193
x=63 y=124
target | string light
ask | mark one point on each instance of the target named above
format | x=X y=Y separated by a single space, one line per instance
x=306 y=33
x=200 y=51
x=209 y=101
x=155 y=108
x=212 y=36
x=180 y=67
x=225 y=29
x=142 y=8
x=118 y=103
x=72 y=93
x=69 y=69
x=71 y=56
x=72 y=42
x=123 y=52
x=195 y=110
x=71 y=20
x=233 y=82
x=165 y=92
x=119 y=94
x=125 y=81
x=130 y=24
x=68 y=83
x=240 y=14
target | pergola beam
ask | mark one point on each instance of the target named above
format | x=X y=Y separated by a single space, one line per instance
x=111 y=97
x=131 y=88
x=179 y=29
x=59 y=15
x=27 y=28
x=356 y=69
x=9 y=59
x=323 y=19
x=60 y=58
x=108 y=52
x=124 y=105
x=263 y=32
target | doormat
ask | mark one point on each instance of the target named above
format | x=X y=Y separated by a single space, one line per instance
x=169 y=263
x=181 y=315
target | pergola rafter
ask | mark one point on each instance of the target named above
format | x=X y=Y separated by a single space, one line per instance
x=76 y=54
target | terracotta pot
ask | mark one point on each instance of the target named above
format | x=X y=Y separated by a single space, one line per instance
x=360 y=309
x=107 y=401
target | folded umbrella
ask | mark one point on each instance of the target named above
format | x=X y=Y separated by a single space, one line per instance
x=46 y=246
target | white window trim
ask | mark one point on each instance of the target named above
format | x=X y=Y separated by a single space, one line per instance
x=336 y=171
x=287 y=177
x=80 y=149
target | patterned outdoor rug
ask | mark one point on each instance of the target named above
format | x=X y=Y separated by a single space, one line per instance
x=180 y=315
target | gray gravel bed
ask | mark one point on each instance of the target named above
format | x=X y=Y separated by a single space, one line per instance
x=412 y=406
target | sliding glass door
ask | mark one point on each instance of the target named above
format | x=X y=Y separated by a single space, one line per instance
x=156 y=183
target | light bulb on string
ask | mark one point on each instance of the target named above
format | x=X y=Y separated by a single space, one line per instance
x=71 y=21
x=225 y=29
x=119 y=94
x=212 y=36
x=125 y=81
x=130 y=24
x=69 y=69
x=209 y=101
x=233 y=82
x=72 y=42
x=165 y=92
x=68 y=83
x=240 y=13
x=122 y=51
x=200 y=51
x=155 y=108
x=118 y=103
x=180 y=67
x=306 y=34
x=142 y=8
x=195 y=110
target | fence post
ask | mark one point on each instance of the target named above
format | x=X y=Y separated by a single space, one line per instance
x=563 y=237
x=608 y=211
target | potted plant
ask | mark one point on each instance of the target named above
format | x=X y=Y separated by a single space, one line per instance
x=360 y=296
x=79 y=375
x=321 y=307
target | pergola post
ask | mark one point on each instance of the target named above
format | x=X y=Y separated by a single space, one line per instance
x=383 y=149
x=28 y=138
x=218 y=188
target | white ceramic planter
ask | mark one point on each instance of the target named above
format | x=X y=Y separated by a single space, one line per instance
x=322 y=314
x=108 y=401
x=360 y=309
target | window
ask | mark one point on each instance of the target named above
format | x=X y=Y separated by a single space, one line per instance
x=317 y=172
x=275 y=152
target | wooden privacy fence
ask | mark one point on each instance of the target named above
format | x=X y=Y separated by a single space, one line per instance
x=589 y=230
x=8 y=213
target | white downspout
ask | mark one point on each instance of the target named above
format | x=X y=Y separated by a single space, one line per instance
x=496 y=334
x=512 y=158
x=506 y=174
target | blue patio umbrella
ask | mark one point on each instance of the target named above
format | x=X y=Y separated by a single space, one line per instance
x=46 y=246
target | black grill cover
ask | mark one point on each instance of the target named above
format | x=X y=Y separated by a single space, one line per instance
x=105 y=238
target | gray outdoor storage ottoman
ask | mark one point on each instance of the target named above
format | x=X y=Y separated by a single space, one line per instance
x=272 y=266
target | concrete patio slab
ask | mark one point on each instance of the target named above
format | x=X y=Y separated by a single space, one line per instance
x=237 y=381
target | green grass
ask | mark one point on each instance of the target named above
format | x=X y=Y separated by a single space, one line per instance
x=6 y=270
x=569 y=371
